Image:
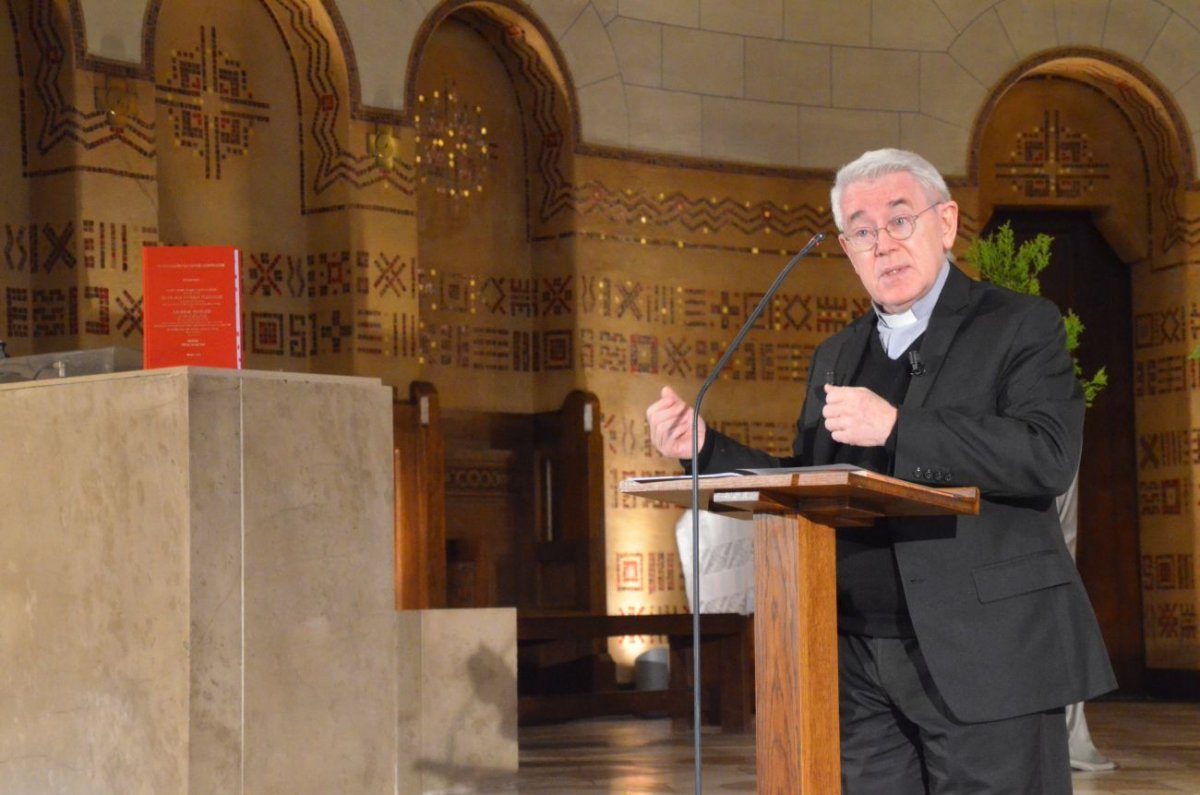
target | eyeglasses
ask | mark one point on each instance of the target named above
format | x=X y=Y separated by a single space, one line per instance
x=864 y=238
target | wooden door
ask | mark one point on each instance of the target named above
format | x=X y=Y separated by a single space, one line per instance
x=1086 y=275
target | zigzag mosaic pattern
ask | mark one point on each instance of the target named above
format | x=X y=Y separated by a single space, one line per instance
x=1186 y=231
x=316 y=67
x=557 y=196
x=1160 y=147
x=678 y=211
x=62 y=123
x=544 y=96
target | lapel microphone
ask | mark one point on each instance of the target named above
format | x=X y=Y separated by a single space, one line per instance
x=915 y=365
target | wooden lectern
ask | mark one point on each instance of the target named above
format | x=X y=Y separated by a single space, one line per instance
x=795 y=626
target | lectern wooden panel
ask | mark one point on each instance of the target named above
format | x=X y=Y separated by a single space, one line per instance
x=795 y=513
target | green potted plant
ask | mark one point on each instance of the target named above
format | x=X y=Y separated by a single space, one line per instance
x=1002 y=262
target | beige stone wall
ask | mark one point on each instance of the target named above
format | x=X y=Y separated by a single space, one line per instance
x=767 y=81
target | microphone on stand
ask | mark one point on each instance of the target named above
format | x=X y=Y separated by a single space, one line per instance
x=725 y=357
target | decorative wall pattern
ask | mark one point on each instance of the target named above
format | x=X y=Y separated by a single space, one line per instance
x=1167 y=460
x=476 y=345
x=46 y=270
x=1186 y=232
x=209 y=98
x=1052 y=161
x=277 y=278
x=696 y=307
x=452 y=144
x=323 y=88
x=637 y=210
x=649 y=572
x=1168 y=176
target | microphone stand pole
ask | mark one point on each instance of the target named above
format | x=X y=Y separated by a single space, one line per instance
x=725 y=357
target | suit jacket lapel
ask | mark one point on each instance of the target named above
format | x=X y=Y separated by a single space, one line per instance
x=844 y=368
x=948 y=315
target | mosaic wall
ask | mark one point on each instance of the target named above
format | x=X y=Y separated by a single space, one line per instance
x=671 y=263
x=1166 y=383
x=575 y=267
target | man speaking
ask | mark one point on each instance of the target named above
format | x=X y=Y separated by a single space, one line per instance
x=960 y=639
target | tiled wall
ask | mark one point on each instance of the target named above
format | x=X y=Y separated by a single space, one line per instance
x=764 y=81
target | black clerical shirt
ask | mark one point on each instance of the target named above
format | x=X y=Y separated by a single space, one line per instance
x=870 y=598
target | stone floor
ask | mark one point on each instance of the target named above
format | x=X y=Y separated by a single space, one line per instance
x=1157 y=746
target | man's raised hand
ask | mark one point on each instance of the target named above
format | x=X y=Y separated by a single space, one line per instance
x=671 y=425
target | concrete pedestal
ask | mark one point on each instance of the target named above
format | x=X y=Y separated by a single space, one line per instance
x=196 y=590
x=458 y=700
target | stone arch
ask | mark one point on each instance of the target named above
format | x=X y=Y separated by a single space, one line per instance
x=547 y=103
x=532 y=49
x=485 y=74
x=229 y=104
x=226 y=109
x=1157 y=122
x=338 y=163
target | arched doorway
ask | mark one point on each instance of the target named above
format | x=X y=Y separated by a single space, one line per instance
x=1084 y=147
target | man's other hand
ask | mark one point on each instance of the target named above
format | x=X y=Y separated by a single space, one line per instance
x=855 y=415
x=671 y=425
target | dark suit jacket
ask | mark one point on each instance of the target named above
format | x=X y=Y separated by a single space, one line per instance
x=999 y=611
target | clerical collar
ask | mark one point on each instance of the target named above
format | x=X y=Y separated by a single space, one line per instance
x=905 y=318
x=896 y=332
x=921 y=309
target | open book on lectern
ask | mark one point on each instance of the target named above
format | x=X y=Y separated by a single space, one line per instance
x=763 y=471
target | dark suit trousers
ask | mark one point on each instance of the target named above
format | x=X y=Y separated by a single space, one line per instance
x=899 y=738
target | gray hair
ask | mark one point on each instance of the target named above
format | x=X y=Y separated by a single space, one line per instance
x=879 y=163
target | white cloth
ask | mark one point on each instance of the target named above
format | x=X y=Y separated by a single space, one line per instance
x=726 y=562
x=1084 y=754
x=1068 y=514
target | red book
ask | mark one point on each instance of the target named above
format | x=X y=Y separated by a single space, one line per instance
x=192 y=309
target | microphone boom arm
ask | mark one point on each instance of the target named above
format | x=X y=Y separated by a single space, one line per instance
x=708 y=382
